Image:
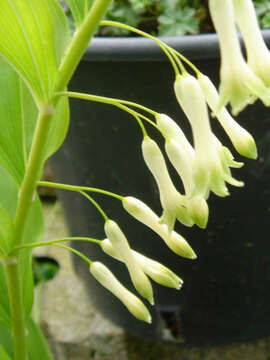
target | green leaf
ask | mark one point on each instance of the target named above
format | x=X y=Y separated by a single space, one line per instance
x=6 y=230
x=37 y=344
x=79 y=9
x=33 y=37
x=4 y=304
x=177 y=21
x=6 y=341
x=18 y=114
x=3 y=354
x=8 y=196
x=59 y=127
x=33 y=233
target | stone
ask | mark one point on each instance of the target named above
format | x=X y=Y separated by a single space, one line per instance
x=76 y=331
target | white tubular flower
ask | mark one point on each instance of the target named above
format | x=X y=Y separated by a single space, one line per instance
x=172 y=201
x=181 y=155
x=227 y=161
x=120 y=243
x=171 y=130
x=145 y=215
x=106 y=278
x=257 y=53
x=241 y=139
x=197 y=206
x=156 y=271
x=207 y=168
x=239 y=84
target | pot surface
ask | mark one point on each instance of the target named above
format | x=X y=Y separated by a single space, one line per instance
x=226 y=294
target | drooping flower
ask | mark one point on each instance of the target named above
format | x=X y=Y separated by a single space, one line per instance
x=196 y=205
x=239 y=84
x=258 y=55
x=241 y=139
x=172 y=131
x=208 y=170
x=140 y=211
x=121 y=246
x=173 y=203
x=156 y=271
x=106 y=278
x=181 y=154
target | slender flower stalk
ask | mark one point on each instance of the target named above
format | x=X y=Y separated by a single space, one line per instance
x=140 y=211
x=239 y=84
x=122 y=248
x=156 y=271
x=106 y=278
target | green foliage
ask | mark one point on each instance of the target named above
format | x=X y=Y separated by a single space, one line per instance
x=79 y=9
x=27 y=43
x=164 y=17
x=38 y=347
x=178 y=20
x=263 y=12
x=3 y=354
x=44 y=269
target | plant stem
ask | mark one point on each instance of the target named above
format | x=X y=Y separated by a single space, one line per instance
x=106 y=100
x=80 y=42
x=100 y=210
x=78 y=188
x=161 y=44
x=53 y=242
x=33 y=173
x=13 y=276
x=12 y=268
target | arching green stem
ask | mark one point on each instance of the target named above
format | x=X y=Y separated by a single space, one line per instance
x=88 y=197
x=161 y=44
x=56 y=241
x=76 y=252
x=78 y=188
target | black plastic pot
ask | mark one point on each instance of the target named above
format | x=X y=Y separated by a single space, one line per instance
x=226 y=292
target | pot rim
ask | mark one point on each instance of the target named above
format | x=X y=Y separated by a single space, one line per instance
x=194 y=47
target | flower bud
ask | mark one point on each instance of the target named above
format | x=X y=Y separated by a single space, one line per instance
x=171 y=200
x=121 y=246
x=258 y=55
x=145 y=215
x=239 y=84
x=106 y=278
x=171 y=130
x=241 y=139
x=156 y=271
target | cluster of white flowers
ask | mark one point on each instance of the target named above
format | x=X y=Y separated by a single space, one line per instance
x=204 y=168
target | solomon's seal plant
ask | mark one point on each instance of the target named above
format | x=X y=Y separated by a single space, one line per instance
x=38 y=59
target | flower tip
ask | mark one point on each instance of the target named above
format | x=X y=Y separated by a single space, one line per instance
x=198 y=210
x=151 y=301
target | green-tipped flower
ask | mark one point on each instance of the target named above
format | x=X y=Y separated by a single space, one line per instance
x=171 y=130
x=106 y=278
x=196 y=206
x=145 y=215
x=156 y=271
x=241 y=139
x=258 y=55
x=239 y=84
x=121 y=246
x=208 y=173
x=173 y=203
